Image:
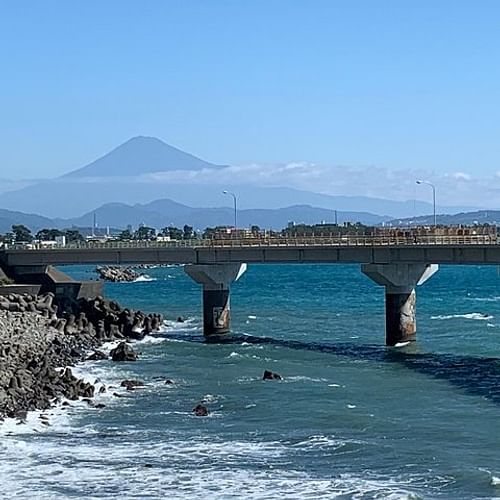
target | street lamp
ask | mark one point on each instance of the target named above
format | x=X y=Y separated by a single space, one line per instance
x=433 y=197
x=235 y=207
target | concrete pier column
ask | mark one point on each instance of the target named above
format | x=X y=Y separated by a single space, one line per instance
x=216 y=280
x=400 y=281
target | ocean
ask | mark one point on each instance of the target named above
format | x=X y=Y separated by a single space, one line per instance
x=350 y=419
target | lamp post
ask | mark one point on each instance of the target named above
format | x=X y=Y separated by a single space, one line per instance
x=433 y=197
x=235 y=207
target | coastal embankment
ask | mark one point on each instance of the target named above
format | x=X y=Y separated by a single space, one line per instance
x=39 y=343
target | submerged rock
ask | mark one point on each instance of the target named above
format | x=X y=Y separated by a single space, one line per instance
x=200 y=410
x=131 y=384
x=269 y=375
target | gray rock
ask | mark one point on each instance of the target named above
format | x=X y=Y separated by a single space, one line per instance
x=123 y=353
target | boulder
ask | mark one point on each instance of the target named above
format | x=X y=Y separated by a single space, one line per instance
x=131 y=384
x=97 y=356
x=123 y=353
x=269 y=375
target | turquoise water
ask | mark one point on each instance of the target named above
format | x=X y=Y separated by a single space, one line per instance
x=351 y=418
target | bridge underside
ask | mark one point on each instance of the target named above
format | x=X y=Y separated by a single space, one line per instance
x=398 y=269
x=262 y=254
x=399 y=281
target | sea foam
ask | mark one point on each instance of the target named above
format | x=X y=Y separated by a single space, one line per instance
x=475 y=316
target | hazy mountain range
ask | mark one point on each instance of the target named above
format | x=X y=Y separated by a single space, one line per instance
x=466 y=218
x=162 y=213
x=145 y=169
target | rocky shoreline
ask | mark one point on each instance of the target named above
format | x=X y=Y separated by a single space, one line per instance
x=39 y=344
x=117 y=273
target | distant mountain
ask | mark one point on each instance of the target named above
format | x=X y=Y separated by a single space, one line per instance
x=74 y=196
x=466 y=218
x=141 y=155
x=119 y=177
x=162 y=213
x=165 y=212
x=32 y=221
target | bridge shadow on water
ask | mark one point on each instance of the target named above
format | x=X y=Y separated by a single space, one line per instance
x=476 y=376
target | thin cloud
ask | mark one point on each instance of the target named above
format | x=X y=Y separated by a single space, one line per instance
x=457 y=188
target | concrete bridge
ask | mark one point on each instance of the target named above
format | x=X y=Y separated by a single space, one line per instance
x=398 y=264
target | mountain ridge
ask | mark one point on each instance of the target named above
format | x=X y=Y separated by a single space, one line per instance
x=138 y=156
x=120 y=176
x=120 y=215
x=164 y=212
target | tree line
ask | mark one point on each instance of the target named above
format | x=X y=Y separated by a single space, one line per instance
x=21 y=234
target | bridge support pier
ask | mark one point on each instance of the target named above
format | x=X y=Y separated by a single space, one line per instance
x=216 y=280
x=400 y=281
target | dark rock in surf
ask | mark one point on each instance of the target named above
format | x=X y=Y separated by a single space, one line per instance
x=200 y=410
x=97 y=356
x=269 y=375
x=123 y=353
x=130 y=385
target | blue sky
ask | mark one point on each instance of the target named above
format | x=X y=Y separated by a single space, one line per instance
x=389 y=84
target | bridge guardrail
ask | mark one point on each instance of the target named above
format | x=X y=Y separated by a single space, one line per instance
x=316 y=241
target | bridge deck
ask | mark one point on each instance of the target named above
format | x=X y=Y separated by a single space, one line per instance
x=431 y=250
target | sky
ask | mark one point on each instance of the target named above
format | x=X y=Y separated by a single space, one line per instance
x=375 y=85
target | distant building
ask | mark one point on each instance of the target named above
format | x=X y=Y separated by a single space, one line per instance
x=163 y=238
x=60 y=241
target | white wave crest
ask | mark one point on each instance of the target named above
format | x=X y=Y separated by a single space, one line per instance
x=302 y=378
x=475 y=316
x=402 y=344
x=487 y=299
x=143 y=278
x=176 y=468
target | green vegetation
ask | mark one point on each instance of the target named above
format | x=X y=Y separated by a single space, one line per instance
x=48 y=234
x=73 y=236
x=145 y=233
x=125 y=235
x=21 y=234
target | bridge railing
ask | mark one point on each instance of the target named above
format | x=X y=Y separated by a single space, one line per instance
x=308 y=241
